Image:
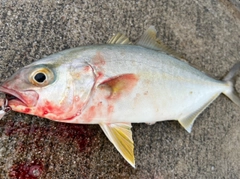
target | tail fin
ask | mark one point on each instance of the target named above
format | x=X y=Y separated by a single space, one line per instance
x=229 y=78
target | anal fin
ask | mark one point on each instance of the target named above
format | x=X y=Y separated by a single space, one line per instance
x=120 y=135
x=188 y=121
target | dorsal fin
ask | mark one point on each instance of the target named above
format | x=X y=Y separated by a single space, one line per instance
x=149 y=40
x=119 y=39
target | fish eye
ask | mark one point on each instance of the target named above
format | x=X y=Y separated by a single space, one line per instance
x=41 y=77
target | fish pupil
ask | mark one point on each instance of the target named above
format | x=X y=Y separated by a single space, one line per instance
x=40 y=77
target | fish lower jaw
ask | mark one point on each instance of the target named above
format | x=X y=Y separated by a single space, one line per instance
x=18 y=106
x=26 y=98
x=16 y=103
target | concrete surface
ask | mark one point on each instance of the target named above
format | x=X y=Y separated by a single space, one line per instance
x=206 y=32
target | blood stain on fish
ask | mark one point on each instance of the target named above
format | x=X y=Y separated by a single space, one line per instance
x=76 y=98
x=49 y=108
x=87 y=68
x=27 y=110
x=92 y=111
x=98 y=59
x=110 y=109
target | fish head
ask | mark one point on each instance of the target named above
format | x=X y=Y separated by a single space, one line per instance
x=57 y=91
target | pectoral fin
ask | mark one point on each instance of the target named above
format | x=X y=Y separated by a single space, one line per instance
x=119 y=85
x=120 y=135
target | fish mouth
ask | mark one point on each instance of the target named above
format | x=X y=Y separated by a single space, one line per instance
x=26 y=98
x=12 y=98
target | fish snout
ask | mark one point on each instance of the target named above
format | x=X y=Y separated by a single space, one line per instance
x=27 y=98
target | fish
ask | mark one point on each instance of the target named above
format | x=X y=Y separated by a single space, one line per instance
x=114 y=85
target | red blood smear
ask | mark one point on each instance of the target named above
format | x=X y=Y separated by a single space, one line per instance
x=12 y=129
x=49 y=106
x=27 y=110
x=59 y=112
x=82 y=135
x=90 y=114
x=98 y=59
x=110 y=109
x=27 y=170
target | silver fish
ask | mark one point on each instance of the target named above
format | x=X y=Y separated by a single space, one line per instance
x=114 y=85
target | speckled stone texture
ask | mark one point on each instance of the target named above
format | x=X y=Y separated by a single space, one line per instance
x=207 y=33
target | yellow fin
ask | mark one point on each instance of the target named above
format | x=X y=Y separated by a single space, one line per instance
x=149 y=40
x=120 y=135
x=119 y=39
x=187 y=122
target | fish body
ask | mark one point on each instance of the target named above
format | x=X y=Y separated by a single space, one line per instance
x=115 y=85
x=156 y=85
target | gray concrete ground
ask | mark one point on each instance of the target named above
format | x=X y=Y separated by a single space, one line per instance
x=207 y=33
